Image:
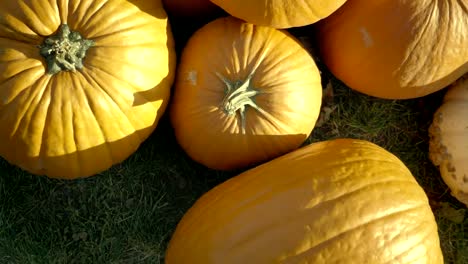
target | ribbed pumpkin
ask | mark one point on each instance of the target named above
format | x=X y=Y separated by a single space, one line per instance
x=448 y=145
x=243 y=94
x=336 y=201
x=396 y=49
x=82 y=82
x=280 y=13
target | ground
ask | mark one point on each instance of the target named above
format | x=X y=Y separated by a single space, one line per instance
x=128 y=213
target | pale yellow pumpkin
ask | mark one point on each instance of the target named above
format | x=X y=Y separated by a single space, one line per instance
x=82 y=82
x=448 y=145
x=337 y=201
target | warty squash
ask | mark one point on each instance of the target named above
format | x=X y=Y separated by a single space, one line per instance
x=243 y=94
x=280 y=13
x=82 y=82
x=448 y=145
x=396 y=49
x=336 y=201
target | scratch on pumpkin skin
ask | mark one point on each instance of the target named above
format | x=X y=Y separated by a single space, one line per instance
x=366 y=37
x=192 y=77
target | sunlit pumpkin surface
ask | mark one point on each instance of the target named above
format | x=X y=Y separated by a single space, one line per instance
x=396 y=49
x=73 y=118
x=280 y=13
x=337 y=201
x=243 y=94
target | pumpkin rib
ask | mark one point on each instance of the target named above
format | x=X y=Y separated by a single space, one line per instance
x=284 y=57
x=135 y=89
x=99 y=87
x=464 y=5
x=12 y=78
x=46 y=93
x=417 y=43
x=109 y=102
x=86 y=10
x=357 y=190
x=77 y=154
x=108 y=33
x=96 y=61
x=91 y=14
x=51 y=13
x=420 y=241
x=319 y=202
x=94 y=67
x=15 y=93
x=331 y=240
x=123 y=15
x=33 y=18
x=96 y=121
x=302 y=214
x=37 y=91
x=324 y=202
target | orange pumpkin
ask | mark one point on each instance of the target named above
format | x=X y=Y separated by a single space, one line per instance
x=280 y=13
x=243 y=94
x=82 y=82
x=396 y=49
x=337 y=201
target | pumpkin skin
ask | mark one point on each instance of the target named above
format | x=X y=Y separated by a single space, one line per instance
x=336 y=201
x=448 y=145
x=243 y=94
x=396 y=49
x=76 y=123
x=273 y=13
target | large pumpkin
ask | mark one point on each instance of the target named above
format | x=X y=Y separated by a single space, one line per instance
x=448 y=145
x=243 y=94
x=337 y=201
x=280 y=13
x=396 y=49
x=82 y=82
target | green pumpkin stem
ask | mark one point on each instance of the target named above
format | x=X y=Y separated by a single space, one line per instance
x=65 y=50
x=239 y=95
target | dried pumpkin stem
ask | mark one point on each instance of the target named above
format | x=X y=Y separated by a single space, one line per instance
x=65 y=50
x=238 y=95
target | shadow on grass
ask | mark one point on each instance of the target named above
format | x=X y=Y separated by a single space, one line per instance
x=125 y=214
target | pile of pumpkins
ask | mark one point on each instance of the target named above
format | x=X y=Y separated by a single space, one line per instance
x=84 y=83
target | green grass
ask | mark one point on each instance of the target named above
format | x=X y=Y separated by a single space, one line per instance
x=127 y=214
x=124 y=215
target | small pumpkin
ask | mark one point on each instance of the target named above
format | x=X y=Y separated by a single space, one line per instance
x=243 y=94
x=448 y=145
x=82 y=82
x=280 y=13
x=396 y=49
x=336 y=201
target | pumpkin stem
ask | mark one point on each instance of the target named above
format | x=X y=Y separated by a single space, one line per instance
x=65 y=50
x=238 y=95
